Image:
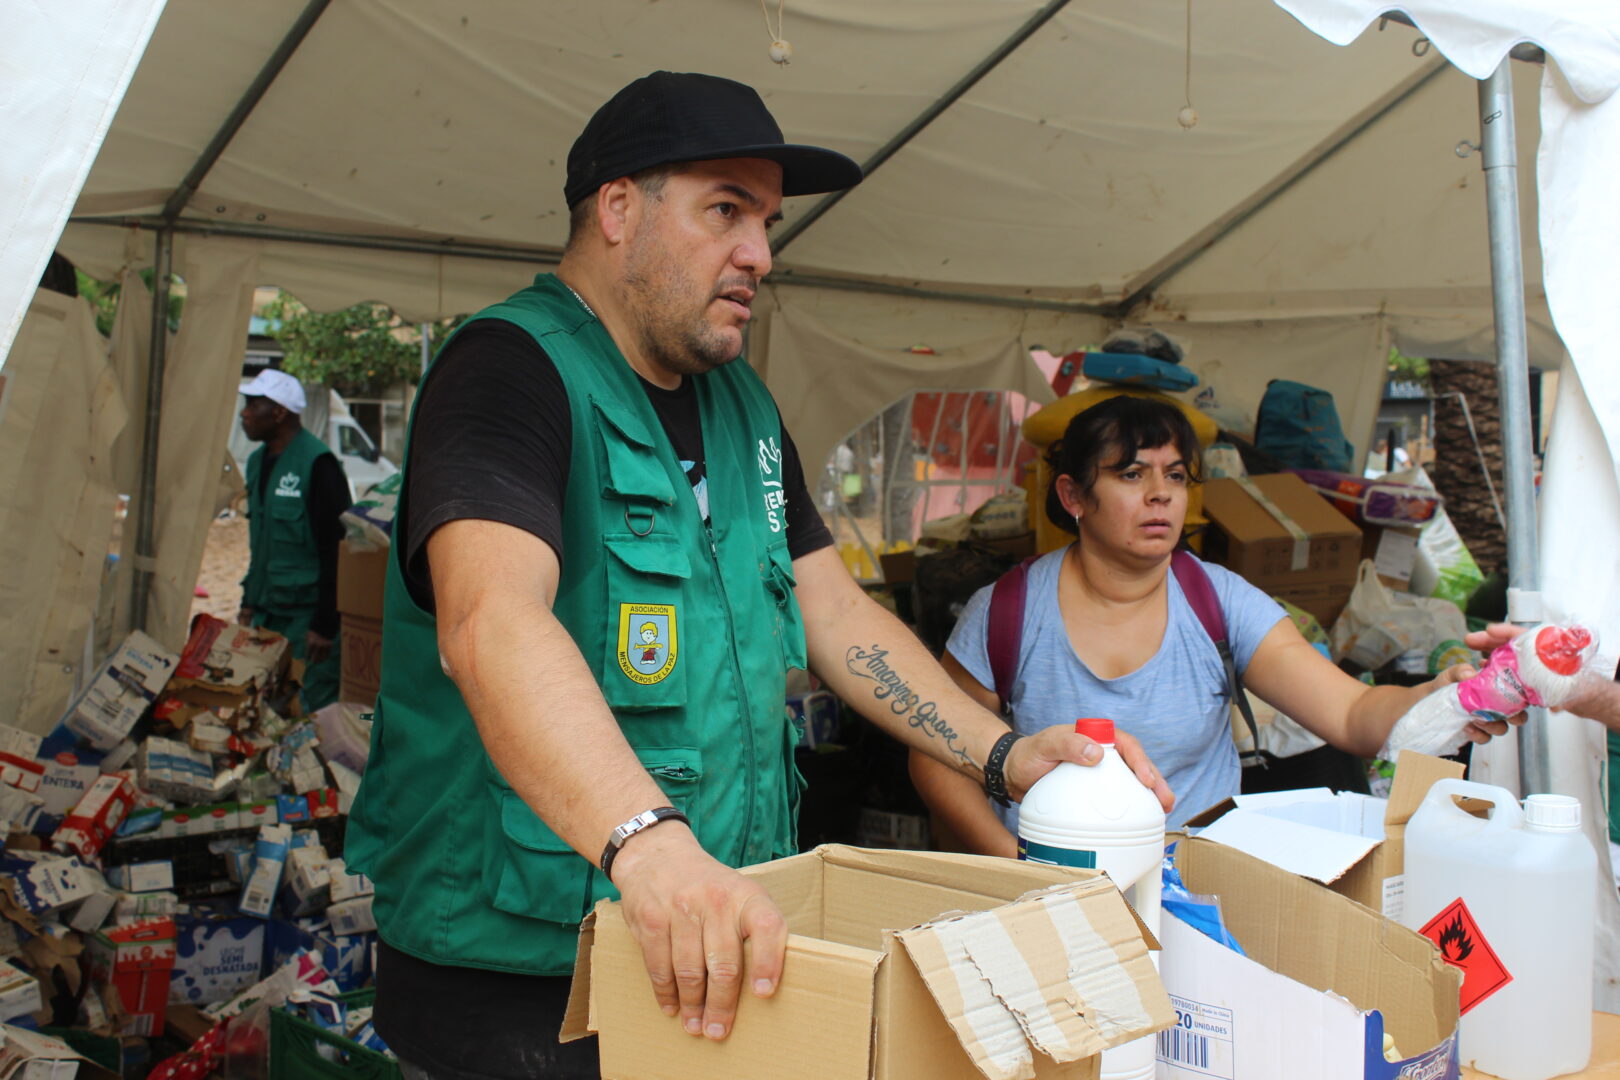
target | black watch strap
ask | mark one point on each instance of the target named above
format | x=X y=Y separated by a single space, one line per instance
x=995 y=776
x=644 y=820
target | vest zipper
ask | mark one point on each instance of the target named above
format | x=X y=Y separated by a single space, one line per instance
x=751 y=772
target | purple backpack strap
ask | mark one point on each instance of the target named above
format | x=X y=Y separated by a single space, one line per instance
x=1004 y=635
x=1200 y=593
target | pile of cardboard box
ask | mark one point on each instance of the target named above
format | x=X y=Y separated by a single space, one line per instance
x=176 y=838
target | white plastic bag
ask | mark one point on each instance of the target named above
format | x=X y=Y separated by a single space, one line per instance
x=1444 y=567
x=1378 y=624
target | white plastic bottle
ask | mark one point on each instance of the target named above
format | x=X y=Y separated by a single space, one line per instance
x=1529 y=882
x=1101 y=816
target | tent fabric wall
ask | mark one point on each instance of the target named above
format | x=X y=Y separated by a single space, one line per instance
x=79 y=58
x=199 y=394
x=63 y=411
x=833 y=371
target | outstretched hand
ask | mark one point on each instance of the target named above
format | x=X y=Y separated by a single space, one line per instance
x=1033 y=756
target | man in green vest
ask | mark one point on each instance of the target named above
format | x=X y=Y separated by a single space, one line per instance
x=296 y=493
x=605 y=559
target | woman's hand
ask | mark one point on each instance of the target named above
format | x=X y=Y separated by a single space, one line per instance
x=1134 y=756
x=1034 y=756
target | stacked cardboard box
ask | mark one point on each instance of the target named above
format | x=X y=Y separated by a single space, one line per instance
x=1285 y=539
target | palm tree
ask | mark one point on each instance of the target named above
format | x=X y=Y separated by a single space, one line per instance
x=1457 y=470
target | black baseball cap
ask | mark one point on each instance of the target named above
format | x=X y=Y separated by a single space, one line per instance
x=669 y=117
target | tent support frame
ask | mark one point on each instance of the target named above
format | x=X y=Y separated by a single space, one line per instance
x=924 y=118
x=1499 y=152
x=146 y=490
x=163 y=266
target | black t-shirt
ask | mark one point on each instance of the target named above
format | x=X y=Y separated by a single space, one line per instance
x=491 y=440
x=328 y=498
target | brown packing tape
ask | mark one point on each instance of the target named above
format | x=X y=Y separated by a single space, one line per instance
x=1042 y=972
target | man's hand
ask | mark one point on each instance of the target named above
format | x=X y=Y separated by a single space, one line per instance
x=1033 y=756
x=691 y=915
x=1596 y=698
x=317 y=647
x=244 y=616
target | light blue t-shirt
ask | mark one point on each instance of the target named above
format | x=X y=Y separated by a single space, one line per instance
x=1175 y=704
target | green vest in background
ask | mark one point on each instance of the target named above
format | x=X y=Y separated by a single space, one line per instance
x=687 y=629
x=284 y=572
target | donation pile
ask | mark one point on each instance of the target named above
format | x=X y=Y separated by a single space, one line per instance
x=176 y=841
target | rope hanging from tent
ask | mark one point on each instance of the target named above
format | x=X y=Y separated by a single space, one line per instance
x=781 y=52
x=1188 y=116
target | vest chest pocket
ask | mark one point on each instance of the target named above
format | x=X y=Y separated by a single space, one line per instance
x=779 y=581
x=535 y=874
x=646 y=592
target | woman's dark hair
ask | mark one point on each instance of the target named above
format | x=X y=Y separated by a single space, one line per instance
x=1107 y=436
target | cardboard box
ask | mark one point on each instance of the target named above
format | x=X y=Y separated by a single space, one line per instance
x=1324 y=602
x=1354 y=844
x=28 y=1055
x=362 y=575
x=887 y=977
x=360 y=671
x=41 y=882
x=69 y=772
x=20 y=766
x=19 y=992
x=143 y=877
x=123 y=689
x=135 y=959
x=94 y=818
x=223 y=664
x=216 y=957
x=347 y=958
x=347 y=886
x=1322 y=982
x=1296 y=539
x=1393 y=552
x=352 y=917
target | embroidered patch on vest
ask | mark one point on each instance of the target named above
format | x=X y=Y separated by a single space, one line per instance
x=287 y=486
x=647 y=641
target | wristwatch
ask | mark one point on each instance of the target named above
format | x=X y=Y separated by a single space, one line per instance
x=644 y=820
x=995 y=778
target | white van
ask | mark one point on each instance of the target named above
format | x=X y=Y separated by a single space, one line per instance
x=326 y=416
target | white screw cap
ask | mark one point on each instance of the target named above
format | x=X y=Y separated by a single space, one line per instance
x=1553 y=812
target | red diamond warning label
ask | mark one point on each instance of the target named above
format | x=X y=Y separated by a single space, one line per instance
x=1462 y=945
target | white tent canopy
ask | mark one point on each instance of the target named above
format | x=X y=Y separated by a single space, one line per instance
x=1031 y=186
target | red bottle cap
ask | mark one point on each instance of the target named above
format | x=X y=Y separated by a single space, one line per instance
x=1098 y=731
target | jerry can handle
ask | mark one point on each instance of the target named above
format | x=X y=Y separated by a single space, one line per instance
x=1506 y=812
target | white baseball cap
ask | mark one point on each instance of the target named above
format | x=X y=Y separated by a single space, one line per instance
x=279 y=387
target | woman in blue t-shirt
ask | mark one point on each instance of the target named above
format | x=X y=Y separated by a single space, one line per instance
x=1107 y=632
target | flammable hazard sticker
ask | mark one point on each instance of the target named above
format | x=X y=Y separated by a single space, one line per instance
x=1462 y=945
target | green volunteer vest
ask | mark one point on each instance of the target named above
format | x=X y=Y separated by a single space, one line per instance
x=688 y=631
x=284 y=572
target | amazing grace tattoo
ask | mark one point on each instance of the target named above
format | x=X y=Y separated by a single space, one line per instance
x=902 y=700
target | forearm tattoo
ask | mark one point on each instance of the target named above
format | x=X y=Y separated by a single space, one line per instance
x=893 y=690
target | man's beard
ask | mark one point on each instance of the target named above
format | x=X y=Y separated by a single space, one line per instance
x=671 y=329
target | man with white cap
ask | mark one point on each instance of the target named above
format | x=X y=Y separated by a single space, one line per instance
x=296 y=491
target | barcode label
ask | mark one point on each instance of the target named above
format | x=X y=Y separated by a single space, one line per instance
x=1185 y=1047
x=1200 y=1044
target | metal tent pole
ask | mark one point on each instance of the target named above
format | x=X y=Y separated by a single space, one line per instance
x=146 y=488
x=1500 y=152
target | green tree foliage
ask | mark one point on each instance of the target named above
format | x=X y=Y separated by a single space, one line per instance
x=1403 y=368
x=103 y=296
x=358 y=349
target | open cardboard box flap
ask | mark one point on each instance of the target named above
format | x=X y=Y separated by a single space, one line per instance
x=1326 y=943
x=1011 y=957
x=1316 y=834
